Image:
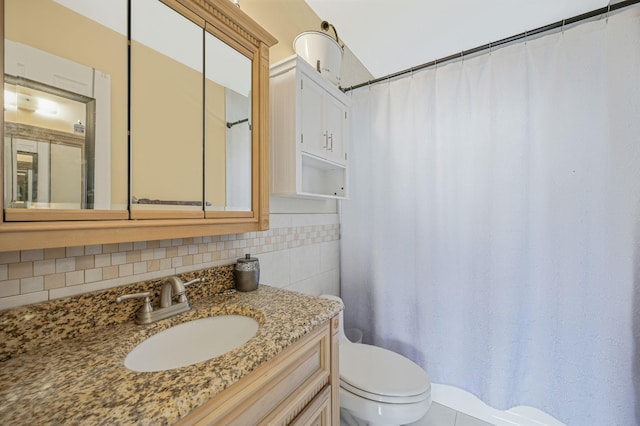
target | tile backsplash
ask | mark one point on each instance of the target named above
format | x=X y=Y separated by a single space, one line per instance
x=300 y=251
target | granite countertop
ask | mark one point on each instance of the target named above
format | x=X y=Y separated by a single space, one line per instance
x=82 y=380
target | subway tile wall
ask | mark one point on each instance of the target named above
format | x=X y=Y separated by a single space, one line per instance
x=299 y=252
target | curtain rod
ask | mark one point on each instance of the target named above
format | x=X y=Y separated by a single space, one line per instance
x=540 y=30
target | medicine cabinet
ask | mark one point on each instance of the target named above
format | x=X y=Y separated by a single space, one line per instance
x=132 y=120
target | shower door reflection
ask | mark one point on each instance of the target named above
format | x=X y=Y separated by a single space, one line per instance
x=26 y=173
x=44 y=174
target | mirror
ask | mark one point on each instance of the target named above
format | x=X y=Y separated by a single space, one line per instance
x=65 y=97
x=99 y=163
x=203 y=124
x=166 y=110
x=44 y=161
x=228 y=112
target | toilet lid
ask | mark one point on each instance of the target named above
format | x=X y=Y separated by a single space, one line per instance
x=380 y=374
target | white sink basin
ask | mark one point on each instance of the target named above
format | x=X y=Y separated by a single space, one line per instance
x=191 y=342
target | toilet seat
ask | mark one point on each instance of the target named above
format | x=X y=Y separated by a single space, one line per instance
x=381 y=375
x=378 y=386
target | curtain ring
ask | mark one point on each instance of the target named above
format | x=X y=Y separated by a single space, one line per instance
x=608 y=11
x=563 y=22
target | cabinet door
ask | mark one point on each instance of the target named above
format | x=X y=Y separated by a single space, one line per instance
x=166 y=117
x=65 y=85
x=313 y=138
x=278 y=391
x=335 y=116
x=318 y=412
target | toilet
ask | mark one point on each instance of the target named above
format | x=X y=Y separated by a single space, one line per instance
x=378 y=386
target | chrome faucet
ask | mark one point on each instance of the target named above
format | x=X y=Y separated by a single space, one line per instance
x=173 y=287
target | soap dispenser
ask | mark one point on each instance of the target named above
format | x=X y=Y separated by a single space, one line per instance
x=247 y=273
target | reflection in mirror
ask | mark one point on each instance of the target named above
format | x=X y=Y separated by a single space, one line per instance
x=228 y=141
x=49 y=139
x=27 y=172
x=63 y=70
x=166 y=105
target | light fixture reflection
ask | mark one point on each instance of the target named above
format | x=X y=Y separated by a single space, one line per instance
x=46 y=107
x=10 y=100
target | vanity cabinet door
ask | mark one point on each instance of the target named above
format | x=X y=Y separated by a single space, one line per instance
x=293 y=387
x=318 y=412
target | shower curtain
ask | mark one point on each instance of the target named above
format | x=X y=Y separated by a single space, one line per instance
x=493 y=234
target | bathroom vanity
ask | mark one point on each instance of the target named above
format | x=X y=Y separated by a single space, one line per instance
x=292 y=388
x=63 y=362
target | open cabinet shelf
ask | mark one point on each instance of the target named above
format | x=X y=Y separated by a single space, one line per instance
x=322 y=178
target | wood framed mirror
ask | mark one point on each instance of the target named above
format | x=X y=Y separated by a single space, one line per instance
x=92 y=220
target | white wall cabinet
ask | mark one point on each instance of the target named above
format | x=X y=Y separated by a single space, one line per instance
x=309 y=132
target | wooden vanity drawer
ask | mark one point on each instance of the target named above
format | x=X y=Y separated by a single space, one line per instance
x=318 y=412
x=277 y=391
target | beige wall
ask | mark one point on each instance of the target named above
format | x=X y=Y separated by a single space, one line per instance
x=166 y=127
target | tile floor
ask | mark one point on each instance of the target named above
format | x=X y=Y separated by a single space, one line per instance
x=439 y=415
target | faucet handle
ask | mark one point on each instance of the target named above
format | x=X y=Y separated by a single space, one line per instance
x=145 y=310
x=194 y=281
x=146 y=294
x=182 y=294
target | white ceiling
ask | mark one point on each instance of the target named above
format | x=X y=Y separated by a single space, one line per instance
x=392 y=35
